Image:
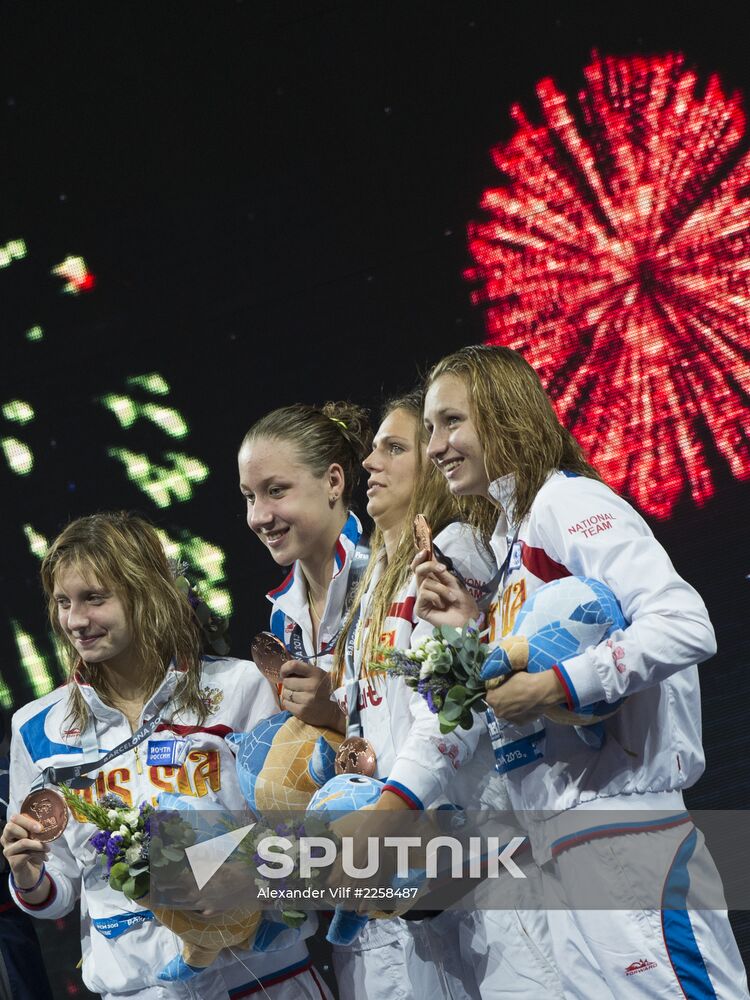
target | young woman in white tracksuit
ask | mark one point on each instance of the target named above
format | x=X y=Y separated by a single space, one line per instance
x=446 y=955
x=494 y=435
x=298 y=467
x=134 y=652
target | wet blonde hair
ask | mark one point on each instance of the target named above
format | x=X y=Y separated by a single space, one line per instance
x=122 y=552
x=336 y=433
x=430 y=497
x=517 y=426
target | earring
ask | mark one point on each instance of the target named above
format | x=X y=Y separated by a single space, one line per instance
x=332 y=501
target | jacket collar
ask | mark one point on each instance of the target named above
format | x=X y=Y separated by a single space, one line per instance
x=502 y=491
x=156 y=702
x=291 y=595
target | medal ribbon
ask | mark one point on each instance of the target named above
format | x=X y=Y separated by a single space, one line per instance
x=351 y=679
x=72 y=774
x=487 y=590
x=296 y=646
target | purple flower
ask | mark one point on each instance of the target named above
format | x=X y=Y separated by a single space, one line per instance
x=112 y=801
x=431 y=704
x=112 y=849
x=99 y=840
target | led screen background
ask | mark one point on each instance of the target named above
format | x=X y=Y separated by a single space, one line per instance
x=205 y=215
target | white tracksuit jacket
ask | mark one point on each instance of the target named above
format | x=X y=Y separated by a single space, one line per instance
x=238 y=697
x=487 y=954
x=289 y=606
x=578 y=526
x=420 y=764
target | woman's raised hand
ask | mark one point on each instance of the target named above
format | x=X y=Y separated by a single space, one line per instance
x=26 y=856
x=441 y=599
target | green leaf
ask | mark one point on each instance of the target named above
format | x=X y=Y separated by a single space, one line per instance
x=128 y=887
x=293 y=918
x=458 y=693
x=140 y=886
x=449 y=634
x=173 y=853
x=467 y=720
x=445 y=726
x=118 y=874
x=451 y=711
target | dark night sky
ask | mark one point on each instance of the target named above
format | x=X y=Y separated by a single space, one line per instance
x=273 y=197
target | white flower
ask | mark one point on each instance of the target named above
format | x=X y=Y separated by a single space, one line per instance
x=124 y=831
x=418 y=654
x=433 y=646
x=133 y=854
x=426 y=670
x=112 y=815
x=131 y=817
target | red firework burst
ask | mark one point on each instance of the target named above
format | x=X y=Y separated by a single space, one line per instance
x=617 y=260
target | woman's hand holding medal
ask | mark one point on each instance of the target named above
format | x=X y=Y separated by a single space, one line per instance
x=441 y=598
x=26 y=855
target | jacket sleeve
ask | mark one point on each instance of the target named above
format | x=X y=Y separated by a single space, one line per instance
x=593 y=532
x=62 y=867
x=428 y=760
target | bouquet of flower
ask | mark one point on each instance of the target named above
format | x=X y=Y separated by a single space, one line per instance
x=131 y=846
x=292 y=830
x=444 y=669
x=124 y=842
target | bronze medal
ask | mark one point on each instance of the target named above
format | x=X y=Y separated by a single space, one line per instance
x=48 y=808
x=356 y=756
x=423 y=535
x=269 y=654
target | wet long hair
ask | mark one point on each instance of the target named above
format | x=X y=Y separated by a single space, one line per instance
x=336 y=433
x=517 y=426
x=122 y=552
x=430 y=497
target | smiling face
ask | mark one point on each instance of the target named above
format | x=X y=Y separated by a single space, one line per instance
x=454 y=444
x=288 y=506
x=93 y=618
x=392 y=466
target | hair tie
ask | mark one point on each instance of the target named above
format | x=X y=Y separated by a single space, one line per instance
x=339 y=422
